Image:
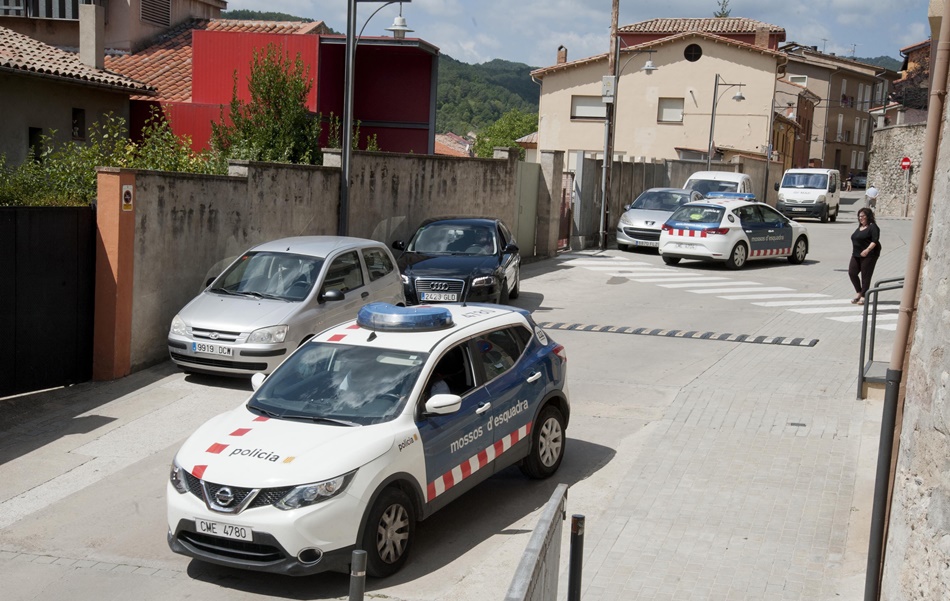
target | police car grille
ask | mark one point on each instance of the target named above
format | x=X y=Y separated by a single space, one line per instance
x=233 y=549
x=219 y=336
x=439 y=285
x=267 y=496
x=640 y=234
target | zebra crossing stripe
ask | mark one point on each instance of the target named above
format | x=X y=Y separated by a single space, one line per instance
x=691 y=334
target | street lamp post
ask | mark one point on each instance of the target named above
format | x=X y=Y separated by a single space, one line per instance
x=611 y=84
x=399 y=30
x=712 y=120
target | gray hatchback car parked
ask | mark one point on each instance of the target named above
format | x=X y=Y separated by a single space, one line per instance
x=276 y=296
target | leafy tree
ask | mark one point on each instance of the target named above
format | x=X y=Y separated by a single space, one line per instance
x=723 y=11
x=65 y=174
x=470 y=97
x=512 y=125
x=275 y=125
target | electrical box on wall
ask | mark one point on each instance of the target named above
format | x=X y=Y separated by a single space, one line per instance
x=607 y=88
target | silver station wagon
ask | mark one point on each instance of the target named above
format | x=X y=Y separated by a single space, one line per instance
x=276 y=296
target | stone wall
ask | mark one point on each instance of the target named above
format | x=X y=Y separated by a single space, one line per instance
x=917 y=555
x=897 y=187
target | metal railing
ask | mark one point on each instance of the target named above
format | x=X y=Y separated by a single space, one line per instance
x=866 y=358
x=536 y=576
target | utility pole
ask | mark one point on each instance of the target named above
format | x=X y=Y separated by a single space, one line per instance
x=609 y=109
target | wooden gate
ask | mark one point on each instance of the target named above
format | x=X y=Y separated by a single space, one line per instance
x=47 y=266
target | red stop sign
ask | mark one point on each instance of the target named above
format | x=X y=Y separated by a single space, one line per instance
x=905 y=163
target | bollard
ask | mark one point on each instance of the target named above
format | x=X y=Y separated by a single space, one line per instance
x=357 y=575
x=577 y=558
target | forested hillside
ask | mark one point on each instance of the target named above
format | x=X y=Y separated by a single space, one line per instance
x=471 y=97
x=882 y=61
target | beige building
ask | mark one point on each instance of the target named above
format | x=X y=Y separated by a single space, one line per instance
x=841 y=134
x=129 y=24
x=665 y=113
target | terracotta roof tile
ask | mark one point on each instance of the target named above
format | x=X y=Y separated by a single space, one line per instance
x=712 y=25
x=23 y=54
x=166 y=63
x=654 y=44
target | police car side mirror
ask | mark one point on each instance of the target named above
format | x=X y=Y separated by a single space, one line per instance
x=443 y=404
x=256 y=380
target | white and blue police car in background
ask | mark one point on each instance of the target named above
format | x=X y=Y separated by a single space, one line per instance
x=366 y=429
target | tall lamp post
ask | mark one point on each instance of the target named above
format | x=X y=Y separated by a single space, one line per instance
x=609 y=96
x=399 y=30
x=712 y=120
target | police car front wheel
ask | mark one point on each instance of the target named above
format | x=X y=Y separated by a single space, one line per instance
x=547 y=444
x=389 y=532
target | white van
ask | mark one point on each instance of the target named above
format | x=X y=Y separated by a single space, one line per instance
x=705 y=182
x=810 y=193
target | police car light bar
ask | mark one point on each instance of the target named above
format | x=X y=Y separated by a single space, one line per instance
x=391 y=318
x=731 y=196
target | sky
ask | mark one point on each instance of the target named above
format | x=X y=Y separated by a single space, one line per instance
x=530 y=31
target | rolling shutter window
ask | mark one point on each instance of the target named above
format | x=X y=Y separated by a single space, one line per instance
x=670 y=110
x=157 y=12
x=588 y=107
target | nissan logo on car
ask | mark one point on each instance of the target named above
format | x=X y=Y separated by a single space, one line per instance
x=440 y=286
x=224 y=496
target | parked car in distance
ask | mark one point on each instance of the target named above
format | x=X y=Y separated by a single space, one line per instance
x=859 y=180
x=810 y=192
x=367 y=428
x=705 y=182
x=733 y=231
x=460 y=259
x=277 y=295
x=642 y=219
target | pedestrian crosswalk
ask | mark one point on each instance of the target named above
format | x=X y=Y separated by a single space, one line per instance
x=804 y=303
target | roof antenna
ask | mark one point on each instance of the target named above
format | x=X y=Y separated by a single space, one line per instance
x=468 y=280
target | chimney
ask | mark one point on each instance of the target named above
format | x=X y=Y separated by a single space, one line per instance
x=561 y=55
x=92 y=35
x=762 y=37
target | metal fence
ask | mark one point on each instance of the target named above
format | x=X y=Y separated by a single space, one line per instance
x=537 y=574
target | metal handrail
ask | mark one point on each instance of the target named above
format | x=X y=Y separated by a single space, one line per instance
x=867 y=347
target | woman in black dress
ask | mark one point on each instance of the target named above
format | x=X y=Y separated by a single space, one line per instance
x=866 y=248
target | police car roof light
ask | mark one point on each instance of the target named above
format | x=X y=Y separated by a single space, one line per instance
x=391 y=318
x=732 y=195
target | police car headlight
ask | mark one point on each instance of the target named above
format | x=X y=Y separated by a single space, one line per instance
x=178 y=327
x=271 y=335
x=177 y=477
x=485 y=280
x=625 y=220
x=309 y=494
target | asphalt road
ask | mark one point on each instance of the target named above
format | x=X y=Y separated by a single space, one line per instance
x=84 y=469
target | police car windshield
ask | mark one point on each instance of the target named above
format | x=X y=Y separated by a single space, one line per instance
x=350 y=384
x=697 y=214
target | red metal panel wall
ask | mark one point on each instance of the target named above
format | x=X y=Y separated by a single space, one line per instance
x=392 y=85
x=217 y=55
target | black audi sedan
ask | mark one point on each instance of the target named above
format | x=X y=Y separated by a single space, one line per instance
x=460 y=259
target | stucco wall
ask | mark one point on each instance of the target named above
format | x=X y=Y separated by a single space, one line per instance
x=27 y=102
x=185 y=223
x=917 y=560
x=898 y=192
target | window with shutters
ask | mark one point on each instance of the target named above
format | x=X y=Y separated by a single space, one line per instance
x=157 y=12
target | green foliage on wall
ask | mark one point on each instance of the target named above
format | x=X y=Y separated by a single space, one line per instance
x=275 y=124
x=65 y=174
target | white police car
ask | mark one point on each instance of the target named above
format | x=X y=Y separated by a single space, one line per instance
x=367 y=428
x=732 y=228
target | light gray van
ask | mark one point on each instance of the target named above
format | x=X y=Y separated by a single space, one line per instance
x=705 y=182
x=810 y=193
